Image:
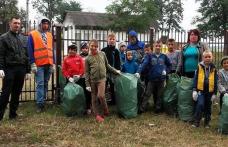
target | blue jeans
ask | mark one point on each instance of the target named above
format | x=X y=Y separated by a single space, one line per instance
x=203 y=105
x=42 y=77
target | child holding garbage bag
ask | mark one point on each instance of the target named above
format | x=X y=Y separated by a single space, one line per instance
x=96 y=65
x=204 y=89
x=223 y=79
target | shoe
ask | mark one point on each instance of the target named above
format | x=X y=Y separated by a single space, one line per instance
x=13 y=116
x=195 y=125
x=39 y=109
x=99 y=118
x=88 y=112
x=206 y=125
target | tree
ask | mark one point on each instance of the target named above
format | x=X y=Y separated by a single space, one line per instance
x=171 y=14
x=8 y=8
x=55 y=9
x=214 y=19
x=132 y=14
x=67 y=6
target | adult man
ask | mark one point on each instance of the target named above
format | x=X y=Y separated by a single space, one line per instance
x=41 y=58
x=14 y=65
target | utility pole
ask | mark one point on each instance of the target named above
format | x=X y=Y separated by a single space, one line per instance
x=27 y=17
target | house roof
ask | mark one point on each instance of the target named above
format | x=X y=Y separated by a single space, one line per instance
x=84 y=19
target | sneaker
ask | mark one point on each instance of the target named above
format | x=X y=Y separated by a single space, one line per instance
x=88 y=112
x=99 y=118
x=207 y=126
x=195 y=125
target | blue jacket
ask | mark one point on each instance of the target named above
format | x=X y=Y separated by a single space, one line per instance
x=130 y=67
x=156 y=66
x=137 y=45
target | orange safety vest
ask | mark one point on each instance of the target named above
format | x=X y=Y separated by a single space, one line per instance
x=43 y=53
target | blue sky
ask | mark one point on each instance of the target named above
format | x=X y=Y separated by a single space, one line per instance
x=190 y=8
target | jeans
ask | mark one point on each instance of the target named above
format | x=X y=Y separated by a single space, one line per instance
x=203 y=105
x=42 y=77
x=12 y=85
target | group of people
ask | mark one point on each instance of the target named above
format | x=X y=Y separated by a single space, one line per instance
x=19 y=56
x=95 y=68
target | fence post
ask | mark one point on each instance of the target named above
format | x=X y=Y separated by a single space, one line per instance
x=58 y=61
x=152 y=30
x=225 y=50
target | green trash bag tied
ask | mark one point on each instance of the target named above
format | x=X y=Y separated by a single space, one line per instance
x=73 y=101
x=125 y=87
x=185 y=102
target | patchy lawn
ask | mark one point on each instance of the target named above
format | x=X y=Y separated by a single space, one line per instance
x=52 y=128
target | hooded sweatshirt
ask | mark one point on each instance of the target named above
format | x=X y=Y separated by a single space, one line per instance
x=130 y=66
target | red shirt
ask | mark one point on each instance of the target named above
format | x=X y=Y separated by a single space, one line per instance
x=73 y=65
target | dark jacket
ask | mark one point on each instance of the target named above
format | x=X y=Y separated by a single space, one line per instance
x=113 y=56
x=13 y=50
x=156 y=64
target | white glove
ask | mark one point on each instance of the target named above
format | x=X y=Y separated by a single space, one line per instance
x=33 y=68
x=76 y=78
x=2 y=74
x=28 y=76
x=213 y=98
x=194 y=95
x=52 y=68
x=137 y=75
x=226 y=94
x=118 y=72
x=71 y=80
x=88 y=89
x=163 y=72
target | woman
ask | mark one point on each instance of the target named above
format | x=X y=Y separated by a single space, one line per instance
x=191 y=54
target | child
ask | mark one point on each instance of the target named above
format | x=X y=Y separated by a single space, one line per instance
x=159 y=65
x=113 y=56
x=173 y=55
x=223 y=79
x=122 y=49
x=96 y=65
x=130 y=66
x=204 y=89
x=73 y=66
x=144 y=74
x=84 y=53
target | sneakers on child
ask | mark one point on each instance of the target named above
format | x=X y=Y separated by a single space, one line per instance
x=195 y=125
x=99 y=118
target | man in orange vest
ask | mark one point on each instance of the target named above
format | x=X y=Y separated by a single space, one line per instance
x=41 y=56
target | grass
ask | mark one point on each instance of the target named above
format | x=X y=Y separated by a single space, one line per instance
x=53 y=128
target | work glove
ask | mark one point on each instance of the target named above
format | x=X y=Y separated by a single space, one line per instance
x=213 y=98
x=28 y=76
x=137 y=75
x=88 y=89
x=33 y=68
x=71 y=80
x=2 y=74
x=118 y=72
x=226 y=94
x=163 y=72
x=52 y=68
x=76 y=78
x=194 y=95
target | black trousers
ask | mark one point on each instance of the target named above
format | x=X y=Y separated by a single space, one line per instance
x=12 y=85
x=81 y=82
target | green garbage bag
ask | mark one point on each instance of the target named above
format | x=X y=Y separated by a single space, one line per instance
x=125 y=87
x=62 y=81
x=73 y=101
x=170 y=94
x=185 y=102
x=223 y=118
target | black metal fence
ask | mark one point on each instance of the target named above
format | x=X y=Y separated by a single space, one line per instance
x=64 y=36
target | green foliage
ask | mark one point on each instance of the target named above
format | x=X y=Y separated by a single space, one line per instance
x=8 y=8
x=132 y=14
x=55 y=8
x=67 y=6
x=214 y=16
